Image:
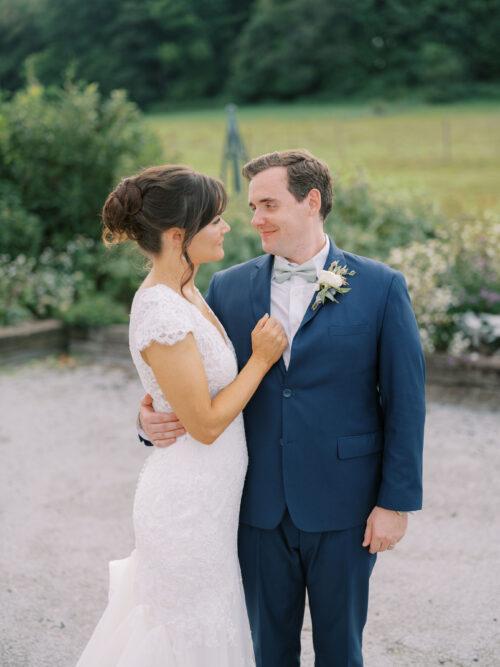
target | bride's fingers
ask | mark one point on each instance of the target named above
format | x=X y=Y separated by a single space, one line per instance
x=261 y=322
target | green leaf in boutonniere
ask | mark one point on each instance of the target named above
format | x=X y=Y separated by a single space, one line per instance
x=331 y=282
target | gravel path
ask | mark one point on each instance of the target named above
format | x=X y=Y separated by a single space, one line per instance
x=70 y=461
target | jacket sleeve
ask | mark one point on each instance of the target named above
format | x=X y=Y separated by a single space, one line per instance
x=210 y=295
x=401 y=384
x=144 y=441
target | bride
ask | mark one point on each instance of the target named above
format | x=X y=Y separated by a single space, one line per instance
x=177 y=600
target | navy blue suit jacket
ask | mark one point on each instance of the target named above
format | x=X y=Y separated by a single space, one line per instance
x=341 y=430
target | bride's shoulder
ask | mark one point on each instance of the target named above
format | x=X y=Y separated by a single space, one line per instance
x=158 y=295
x=160 y=314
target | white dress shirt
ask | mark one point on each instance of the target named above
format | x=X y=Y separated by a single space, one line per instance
x=290 y=299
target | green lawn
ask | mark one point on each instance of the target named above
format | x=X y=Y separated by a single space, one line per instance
x=450 y=154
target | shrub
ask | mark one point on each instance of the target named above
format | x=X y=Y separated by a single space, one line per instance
x=370 y=222
x=64 y=150
x=426 y=267
x=16 y=294
x=20 y=231
x=94 y=310
x=65 y=284
x=451 y=279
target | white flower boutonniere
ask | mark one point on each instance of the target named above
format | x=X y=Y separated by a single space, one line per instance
x=332 y=282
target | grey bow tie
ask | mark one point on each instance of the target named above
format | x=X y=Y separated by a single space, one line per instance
x=306 y=271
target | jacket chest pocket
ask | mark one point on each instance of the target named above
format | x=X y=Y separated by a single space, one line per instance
x=352 y=346
x=348 y=329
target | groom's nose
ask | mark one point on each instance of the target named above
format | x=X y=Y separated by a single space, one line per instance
x=257 y=219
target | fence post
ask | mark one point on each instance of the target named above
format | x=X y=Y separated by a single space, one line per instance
x=234 y=149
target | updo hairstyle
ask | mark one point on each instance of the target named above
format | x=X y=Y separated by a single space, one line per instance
x=143 y=206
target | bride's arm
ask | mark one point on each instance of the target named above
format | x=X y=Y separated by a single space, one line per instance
x=180 y=373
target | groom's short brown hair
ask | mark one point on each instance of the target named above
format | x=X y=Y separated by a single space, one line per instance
x=304 y=171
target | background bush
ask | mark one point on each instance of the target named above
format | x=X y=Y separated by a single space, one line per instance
x=61 y=152
x=20 y=231
x=452 y=277
x=371 y=223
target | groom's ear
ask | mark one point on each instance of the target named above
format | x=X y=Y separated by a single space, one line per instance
x=314 y=200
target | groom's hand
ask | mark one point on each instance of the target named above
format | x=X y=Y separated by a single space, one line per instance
x=162 y=428
x=384 y=528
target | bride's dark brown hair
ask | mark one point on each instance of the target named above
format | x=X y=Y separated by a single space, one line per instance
x=143 y=206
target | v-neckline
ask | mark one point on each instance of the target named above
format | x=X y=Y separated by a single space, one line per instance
x=220 y=332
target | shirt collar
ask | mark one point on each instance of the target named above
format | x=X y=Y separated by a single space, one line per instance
x=319 y=259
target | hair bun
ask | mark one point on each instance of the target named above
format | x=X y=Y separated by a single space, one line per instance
x=130 y=196
x=119 y=211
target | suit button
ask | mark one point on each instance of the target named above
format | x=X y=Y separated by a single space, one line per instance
x=287 y=393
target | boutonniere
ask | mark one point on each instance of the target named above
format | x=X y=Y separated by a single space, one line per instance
x=332 y=282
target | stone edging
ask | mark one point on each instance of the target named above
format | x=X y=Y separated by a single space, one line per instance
x=36 y=339
x=30 y=340
x=472 y=370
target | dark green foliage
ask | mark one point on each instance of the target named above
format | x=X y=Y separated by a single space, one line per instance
x=96 y=310
x=366 y=47
x=370 y=223
x=20 y=231
x=20 y=37
x=61 y=152
x=64 y=149
x=181 y=51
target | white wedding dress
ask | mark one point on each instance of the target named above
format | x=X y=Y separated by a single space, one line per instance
x=178 y=600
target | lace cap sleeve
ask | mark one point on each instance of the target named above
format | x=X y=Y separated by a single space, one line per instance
x=163 y=317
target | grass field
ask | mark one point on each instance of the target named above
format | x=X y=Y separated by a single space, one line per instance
x=450 y=154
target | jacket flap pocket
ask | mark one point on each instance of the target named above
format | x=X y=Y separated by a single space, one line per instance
x=348 y=329
x=349 y=446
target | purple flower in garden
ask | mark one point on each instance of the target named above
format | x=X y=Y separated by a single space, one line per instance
x=490 y=296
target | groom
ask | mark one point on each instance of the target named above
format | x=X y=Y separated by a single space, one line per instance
x=335 y=430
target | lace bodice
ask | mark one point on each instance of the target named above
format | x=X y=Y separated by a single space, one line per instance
x=160 y=314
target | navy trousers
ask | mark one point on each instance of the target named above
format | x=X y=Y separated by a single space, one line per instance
x=278 y=566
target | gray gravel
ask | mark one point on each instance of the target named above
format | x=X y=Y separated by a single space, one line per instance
x=70 y=461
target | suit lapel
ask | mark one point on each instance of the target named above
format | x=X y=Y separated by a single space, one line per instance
x=333 y=254
x=260 y=292
x=260 y=286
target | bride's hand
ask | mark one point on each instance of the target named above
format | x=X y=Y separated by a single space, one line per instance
x=269 y=340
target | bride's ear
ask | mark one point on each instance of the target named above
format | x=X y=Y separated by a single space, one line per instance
x=173 y=237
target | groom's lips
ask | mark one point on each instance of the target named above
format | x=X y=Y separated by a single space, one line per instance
x=266 y=234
